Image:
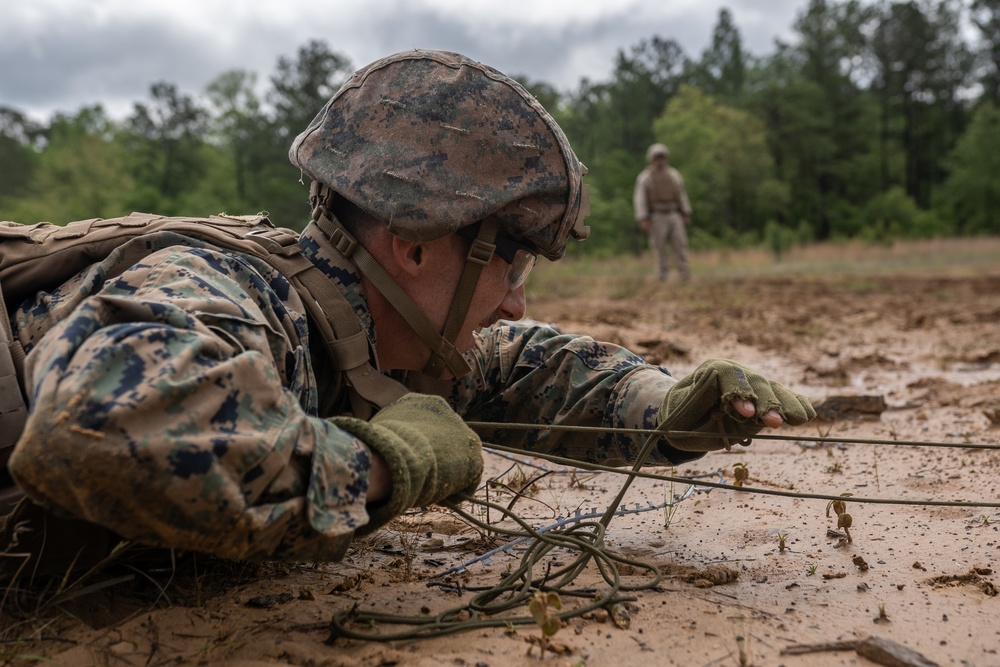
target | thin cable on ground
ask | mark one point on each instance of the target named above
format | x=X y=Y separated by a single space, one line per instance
x=493 y=606
x=576 y=517
x=754 y=489
x=698 y=434
x=488 y=608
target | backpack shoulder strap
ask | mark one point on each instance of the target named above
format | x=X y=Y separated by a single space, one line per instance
x=13 y=411
x=343 y=337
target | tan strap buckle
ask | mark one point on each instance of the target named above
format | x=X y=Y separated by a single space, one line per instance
x=481 y=252
x=343 y=241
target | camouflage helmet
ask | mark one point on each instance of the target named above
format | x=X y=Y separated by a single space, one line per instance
x=657 y=149
x=431 y=142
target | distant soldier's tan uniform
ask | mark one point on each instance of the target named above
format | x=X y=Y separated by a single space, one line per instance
x=663 y=211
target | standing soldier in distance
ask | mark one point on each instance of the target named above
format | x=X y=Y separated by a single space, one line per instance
x=663 y=211
x=188 y=400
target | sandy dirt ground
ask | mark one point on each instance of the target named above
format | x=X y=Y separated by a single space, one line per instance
x=746 y=576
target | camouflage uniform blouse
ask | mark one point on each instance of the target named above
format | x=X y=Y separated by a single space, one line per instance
x=175 y=402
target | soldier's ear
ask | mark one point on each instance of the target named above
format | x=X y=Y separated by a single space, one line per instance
x=409 y=257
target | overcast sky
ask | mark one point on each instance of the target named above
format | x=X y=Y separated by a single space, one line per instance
x=59 y=55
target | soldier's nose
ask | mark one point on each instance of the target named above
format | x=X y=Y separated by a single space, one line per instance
x=512 y=307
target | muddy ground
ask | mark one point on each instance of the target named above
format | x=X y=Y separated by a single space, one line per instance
x=746 y=576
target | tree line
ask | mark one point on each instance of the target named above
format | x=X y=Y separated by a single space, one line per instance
x=875 y=121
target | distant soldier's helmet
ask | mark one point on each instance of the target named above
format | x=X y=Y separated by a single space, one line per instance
x=656 y=150
x=431 y=142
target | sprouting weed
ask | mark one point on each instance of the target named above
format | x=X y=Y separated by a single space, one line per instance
x=811 y=570
x=838 y=506
x=12 y=654
x=740 y=473
x=875 y=466
x=781 y=542
x=741 y=645
x=408 y=544
x=669 y=508
x=579 y=483
x=518 y=480
x=835 y=468
x=844 y=520
x=669 y=511
x=882 y=616
x=541 y=608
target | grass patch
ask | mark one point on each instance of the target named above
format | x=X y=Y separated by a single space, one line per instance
x=857 y=264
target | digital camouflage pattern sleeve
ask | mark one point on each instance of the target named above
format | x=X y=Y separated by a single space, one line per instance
x=532 y=374
x=173 y=402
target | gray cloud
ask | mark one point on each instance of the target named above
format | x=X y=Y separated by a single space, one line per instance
x=75 y=58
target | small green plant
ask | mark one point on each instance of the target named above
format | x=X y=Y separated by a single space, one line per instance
x=741 y=645
x=882 y=616
x=875 y=467
x=541 y=607
x=518 y=480
x=408 y=544
x=669 y=507
x=781 y=542
x=811 y=570
x=740 y=473
x=835 y=468
x=844 y=520
x=579 y=483
x=669 y=510
x=12 y=654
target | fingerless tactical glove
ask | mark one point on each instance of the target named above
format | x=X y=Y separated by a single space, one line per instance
x=430 y=452
x=702 y=403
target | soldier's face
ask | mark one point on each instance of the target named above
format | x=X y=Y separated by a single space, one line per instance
x=659 y=161
x=493 y=299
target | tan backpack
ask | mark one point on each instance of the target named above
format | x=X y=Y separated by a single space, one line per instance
x=34 y=257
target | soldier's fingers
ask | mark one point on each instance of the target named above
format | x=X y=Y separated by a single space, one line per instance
x=772 y=419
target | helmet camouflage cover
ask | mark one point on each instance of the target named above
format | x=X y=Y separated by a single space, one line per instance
x=431 y=141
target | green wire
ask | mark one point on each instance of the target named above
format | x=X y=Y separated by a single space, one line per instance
x=492 y=607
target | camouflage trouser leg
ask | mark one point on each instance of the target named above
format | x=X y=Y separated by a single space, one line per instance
x=658 y=228
x=677 y=237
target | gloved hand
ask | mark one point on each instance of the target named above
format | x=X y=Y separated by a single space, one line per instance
x=702 y=402
x=430 y=452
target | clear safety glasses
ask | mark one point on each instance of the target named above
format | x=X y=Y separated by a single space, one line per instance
x=520 y=256
x=520 y=260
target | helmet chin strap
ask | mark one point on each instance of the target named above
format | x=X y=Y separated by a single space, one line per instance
x=478 y=257
x=444 y=355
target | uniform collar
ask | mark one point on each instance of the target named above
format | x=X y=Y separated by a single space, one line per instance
x=341 y=272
